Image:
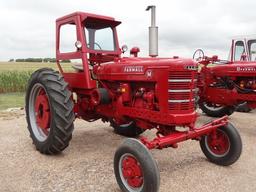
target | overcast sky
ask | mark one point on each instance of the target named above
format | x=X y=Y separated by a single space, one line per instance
x=28 y=26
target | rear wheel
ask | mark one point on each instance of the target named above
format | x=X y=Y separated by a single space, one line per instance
x=243 y=107
x=135 y=169
x=223 y=146
x=215 y=110
x=128 y=129
x=49 y=111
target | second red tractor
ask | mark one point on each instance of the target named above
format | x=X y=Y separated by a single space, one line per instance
x=224 y=84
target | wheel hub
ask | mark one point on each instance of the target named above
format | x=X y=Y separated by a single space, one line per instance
x=42 y=111
x=218 y=142
x=132 y=172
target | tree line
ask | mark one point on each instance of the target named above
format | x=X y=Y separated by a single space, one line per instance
x=39 y=60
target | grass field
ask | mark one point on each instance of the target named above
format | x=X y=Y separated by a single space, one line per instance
x=13 y=80
x=9 y=100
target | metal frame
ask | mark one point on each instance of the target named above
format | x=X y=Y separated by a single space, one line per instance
x=233 y=49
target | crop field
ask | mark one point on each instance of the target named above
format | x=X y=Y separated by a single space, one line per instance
x=13 y=80
x=14 y=76
x=29 y=66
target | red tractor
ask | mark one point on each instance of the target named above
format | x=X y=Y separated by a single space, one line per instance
x=133 y=94
x=224 y=85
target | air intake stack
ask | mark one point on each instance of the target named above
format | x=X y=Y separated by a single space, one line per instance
x=153 y=33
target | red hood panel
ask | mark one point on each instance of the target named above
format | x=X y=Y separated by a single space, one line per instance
x=141 y=65
x=237 y=69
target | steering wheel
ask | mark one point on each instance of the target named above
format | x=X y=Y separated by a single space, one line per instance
x=198 y=55
x=98 y=45
x=243 y=56
x=88 y=45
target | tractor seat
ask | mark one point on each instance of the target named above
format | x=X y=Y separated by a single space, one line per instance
x=78 y=67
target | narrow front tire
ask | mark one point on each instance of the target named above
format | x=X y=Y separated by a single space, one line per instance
x=135 y=169
x=223 y=146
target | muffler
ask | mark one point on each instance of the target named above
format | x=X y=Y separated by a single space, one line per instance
x=153 y=33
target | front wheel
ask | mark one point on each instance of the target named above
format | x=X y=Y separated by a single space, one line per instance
x=223 y=146
x=135 y=169
x=214 y=110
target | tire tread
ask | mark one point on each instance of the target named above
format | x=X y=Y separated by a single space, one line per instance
x=61 y=111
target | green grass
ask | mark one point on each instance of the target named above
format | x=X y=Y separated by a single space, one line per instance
x=9 y=100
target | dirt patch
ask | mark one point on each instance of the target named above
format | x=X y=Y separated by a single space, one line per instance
x=87 y=164
x=11 y=113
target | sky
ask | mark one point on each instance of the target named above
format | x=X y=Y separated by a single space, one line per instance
x=27 y=27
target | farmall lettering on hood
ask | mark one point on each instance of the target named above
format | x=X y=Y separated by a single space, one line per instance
x=246 y=69
x=129 y=69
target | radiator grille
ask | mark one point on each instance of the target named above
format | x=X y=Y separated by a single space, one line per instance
x=181 y=91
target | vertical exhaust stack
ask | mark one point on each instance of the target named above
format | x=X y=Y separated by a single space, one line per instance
x=153 y=33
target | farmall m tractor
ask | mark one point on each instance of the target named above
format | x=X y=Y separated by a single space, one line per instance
x=224 y=85
x=133 y=94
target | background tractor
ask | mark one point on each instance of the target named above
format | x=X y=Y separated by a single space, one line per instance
x=134 y=94
x=227 y=85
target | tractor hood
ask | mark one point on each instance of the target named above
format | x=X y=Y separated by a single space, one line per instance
x=247 y=69
x=139 y=66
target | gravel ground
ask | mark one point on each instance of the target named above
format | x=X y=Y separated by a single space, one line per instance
x=87 y=164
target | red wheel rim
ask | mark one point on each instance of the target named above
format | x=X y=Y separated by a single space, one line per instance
x=132 y=171
x=218 y=142
x=42 y=111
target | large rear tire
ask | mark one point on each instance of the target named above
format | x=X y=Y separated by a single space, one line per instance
x=216 y=111
x=135 y=168
x=49 y=111
x=224 y=147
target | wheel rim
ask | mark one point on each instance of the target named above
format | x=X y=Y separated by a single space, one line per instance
x=131 y=172
x=218 y=143
x=39 y=112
